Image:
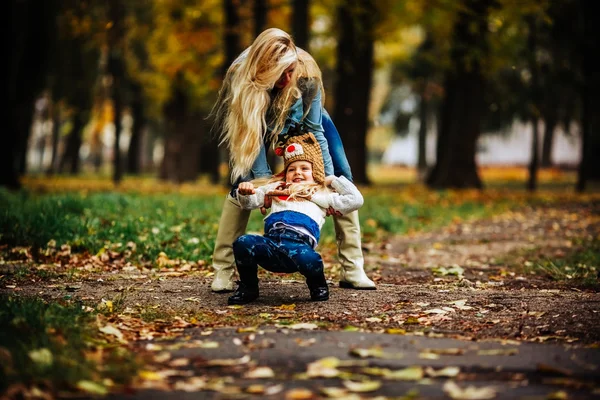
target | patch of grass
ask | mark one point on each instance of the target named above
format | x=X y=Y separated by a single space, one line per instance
x=51 y=345
x=582 y=266
x=184 y=225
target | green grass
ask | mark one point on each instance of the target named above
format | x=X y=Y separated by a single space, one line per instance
x=581 y=266
x=184 y=226
x=45 y=344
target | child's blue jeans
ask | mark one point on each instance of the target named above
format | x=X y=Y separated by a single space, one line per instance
x=279 y=250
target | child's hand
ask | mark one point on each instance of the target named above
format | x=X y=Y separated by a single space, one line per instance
x=332 y=211
x=329 y=180
x=246 y=188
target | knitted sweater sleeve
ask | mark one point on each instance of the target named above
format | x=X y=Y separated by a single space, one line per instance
x=256 y=200
x=345 y=199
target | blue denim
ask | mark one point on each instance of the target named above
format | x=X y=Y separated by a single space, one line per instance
x=280 y=250
x=340 y=165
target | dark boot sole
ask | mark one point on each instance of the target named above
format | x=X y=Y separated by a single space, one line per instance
x=239 y=302
x=346 y=285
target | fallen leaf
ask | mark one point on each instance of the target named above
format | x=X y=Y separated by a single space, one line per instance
x=449 y=372
x=498 y=352
x=361 y=387
x=192 y=384
x=42 y=357
x=324 y=368
x=307 y=326
x=111 y=330
x=260 y=372
x=376 y=352
x=92 y=387
x=298 y=394
x=468 y=393
x=226 y=362
x=413 y=373
x=335 y=392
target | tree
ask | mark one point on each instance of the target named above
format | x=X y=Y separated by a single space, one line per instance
x=462 y=106
x=300 y=23
x=589 y=167
x=31 y=32
x=356 y=23
x=116 y=70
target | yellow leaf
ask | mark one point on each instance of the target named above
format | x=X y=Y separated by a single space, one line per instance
x=42 y=357
x=259 y=373
x=298 y=394
x=468 y=393
x=92 y=387
x=364 y=386
x=150 y=375
x=414 y=373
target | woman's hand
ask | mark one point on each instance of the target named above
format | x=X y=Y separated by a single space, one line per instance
x=246 y=188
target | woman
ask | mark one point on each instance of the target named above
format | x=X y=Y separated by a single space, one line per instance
x=271 y=89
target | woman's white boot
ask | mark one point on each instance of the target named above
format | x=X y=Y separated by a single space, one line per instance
x=347 y=233
x=232 y=225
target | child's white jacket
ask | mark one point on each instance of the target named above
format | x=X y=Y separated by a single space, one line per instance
x=303 y=215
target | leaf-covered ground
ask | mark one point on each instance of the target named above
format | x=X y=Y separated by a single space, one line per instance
x=528 y=275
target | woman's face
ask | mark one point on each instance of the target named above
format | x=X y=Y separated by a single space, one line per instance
x=299 y=172
x=286 y=77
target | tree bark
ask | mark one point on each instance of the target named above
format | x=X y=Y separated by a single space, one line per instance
x=116 y=69
x=182 y=143
x=535 y=103
x=300 y=23
x=550 y=121
x=356 y=21
x=422 y=143
x=31 y=32
x=589 y=167
x=137 y=129
x=462 y=107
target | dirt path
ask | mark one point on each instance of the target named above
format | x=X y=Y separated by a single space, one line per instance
x=455 y=290
x=467 y=280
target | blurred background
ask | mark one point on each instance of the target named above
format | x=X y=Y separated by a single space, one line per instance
x=433 y=91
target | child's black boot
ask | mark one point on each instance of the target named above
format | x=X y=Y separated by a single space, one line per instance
x=319 y=291
x=244 y=294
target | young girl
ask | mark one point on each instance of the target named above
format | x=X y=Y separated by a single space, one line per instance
x=293 y=227
x=271 y=87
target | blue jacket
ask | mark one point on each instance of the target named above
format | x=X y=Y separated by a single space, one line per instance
x=312 y=123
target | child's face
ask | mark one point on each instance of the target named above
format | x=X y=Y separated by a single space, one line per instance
x=299 y=172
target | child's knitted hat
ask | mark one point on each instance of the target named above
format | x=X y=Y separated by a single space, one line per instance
x=303 y=148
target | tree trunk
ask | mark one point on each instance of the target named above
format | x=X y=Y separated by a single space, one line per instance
x=70 y=157
x=550 y=120
x=182 y=143
x=56 y=124
x=137 y=129
x=462 y=107
x=260 y=16
x=533 y=163
x=356 y=19
x=422 y=145
x=31 y=25
x=116 y=70
x=535 y=103
x=300 y=23
x=589 y=167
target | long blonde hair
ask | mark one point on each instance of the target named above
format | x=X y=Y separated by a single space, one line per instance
x=244 y=103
